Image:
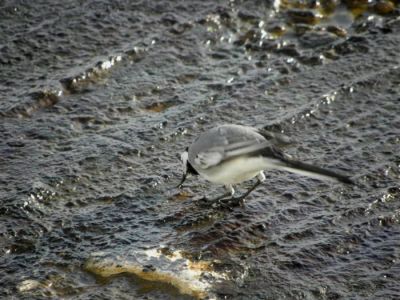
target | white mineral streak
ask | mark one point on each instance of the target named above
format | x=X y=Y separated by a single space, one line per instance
x=189 y=277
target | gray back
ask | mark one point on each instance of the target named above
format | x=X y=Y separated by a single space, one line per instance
x=223 y=136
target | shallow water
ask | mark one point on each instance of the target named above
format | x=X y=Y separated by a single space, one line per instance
x=98 y=100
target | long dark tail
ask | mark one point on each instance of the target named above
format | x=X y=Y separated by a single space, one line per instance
x=275 y=158
x=313 y=171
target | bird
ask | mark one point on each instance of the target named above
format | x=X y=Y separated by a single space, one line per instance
x=231 y=154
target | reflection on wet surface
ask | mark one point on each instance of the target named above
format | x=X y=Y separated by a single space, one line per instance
x=99 y=100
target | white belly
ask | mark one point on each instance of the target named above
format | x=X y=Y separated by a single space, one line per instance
x=236 y=170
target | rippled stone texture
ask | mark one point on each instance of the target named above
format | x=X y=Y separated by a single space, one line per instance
x=99 y=98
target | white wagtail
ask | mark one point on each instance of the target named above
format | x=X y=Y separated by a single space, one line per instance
x=231 y=154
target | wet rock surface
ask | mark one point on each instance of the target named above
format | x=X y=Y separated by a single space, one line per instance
x=98 y=100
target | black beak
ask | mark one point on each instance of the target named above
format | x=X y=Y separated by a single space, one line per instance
x=179 y=186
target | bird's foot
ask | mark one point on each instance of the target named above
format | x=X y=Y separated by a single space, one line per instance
x=220 y=202
x=206 y=202
x=231 y=202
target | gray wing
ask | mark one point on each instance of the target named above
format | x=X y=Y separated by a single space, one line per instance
x=225 y=142
x=276 y=138
x=217 y=155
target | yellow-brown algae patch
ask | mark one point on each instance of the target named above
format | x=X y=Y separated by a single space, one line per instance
x=357 y=7
x=384 y=7
x=157 y=107
x=309 y=17
x=190 y=278
x=203 y=266
x=277 y=31
x=338 y=31
x=182 y=195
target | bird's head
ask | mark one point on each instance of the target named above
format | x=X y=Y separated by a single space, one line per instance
x=186 y=166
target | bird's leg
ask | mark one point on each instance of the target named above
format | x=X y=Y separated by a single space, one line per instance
x=250 y=189
x=260 y=179
x=230 y=191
